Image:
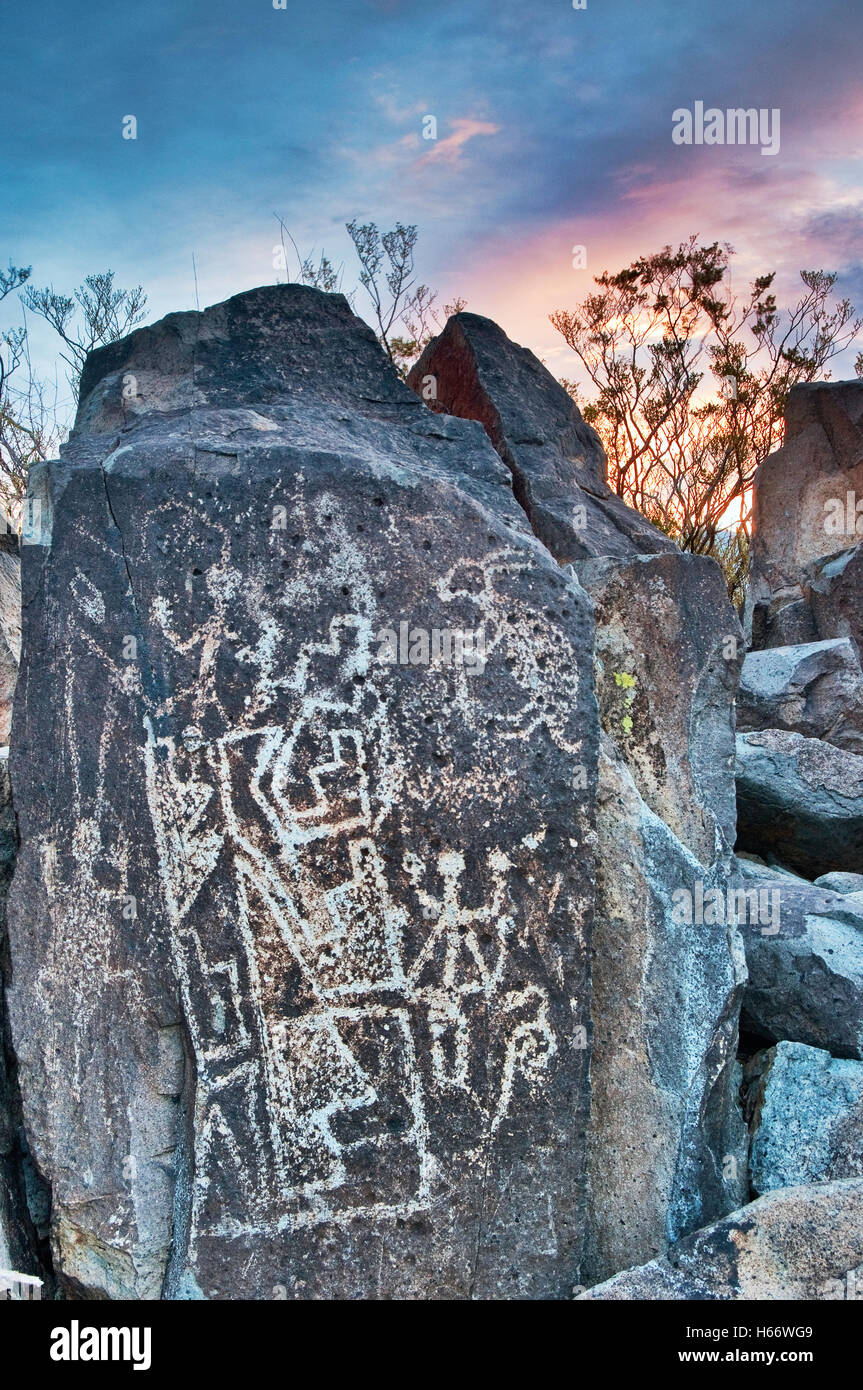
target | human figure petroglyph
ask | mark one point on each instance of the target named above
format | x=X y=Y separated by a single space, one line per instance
x=346 y=1065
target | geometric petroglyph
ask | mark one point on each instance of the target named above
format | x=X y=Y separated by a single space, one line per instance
x=314 y=1013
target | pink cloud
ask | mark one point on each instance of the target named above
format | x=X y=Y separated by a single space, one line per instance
x=448 y=150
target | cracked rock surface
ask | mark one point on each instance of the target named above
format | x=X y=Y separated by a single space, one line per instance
x=300 y=925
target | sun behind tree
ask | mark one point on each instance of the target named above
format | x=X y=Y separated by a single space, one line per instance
x=691 y=385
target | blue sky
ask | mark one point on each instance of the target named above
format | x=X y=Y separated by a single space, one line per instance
x=554 y=128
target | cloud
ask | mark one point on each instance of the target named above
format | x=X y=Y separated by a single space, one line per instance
x=449 y=150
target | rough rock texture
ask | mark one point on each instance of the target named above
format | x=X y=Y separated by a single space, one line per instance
x=833 y=592
x=800 y=508
x=815 y=689
x=10 y=624
x=841 y=883
x=663 y=1111
x=798 y=1242
x=666 y=1143
x=18 y=1240
x=805 y=962
x=668 y=655
x=299 y=933
x=806 y=1117
x=473 y=370
x=802 y=799
x=23 y=1199
x=751 y=867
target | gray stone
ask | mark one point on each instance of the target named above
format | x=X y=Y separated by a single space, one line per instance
x=806 y=1117
x=23 y=1205
x=801 y=513
x=798 y=1242
x=473 y=370
x=841 y=883
x=299 y=930
x=804 y=953
x=10 y=624
x=834 y=593
x=802 y=799
x=815 y=689
x=668 y=655
x=666 y=1142
x=752 y=868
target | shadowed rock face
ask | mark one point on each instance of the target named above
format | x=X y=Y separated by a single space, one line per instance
x=299 y=927
x=666 y=1142
x=815 y=689
x=834 y=595
x=10 y=624
x=801 y=799
x=805 y=962
x=799 y=1242
x=801 y=510
x=473 y=370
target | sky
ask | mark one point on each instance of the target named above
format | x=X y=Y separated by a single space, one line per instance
x=554 y=129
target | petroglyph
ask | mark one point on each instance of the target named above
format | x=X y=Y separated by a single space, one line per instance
x=362 y=1005
x=355 y=894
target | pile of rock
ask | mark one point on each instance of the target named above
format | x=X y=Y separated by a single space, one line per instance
x=800 y=855
x=374 y=929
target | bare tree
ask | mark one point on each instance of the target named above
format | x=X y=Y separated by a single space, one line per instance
x=691 y=382
x=404 y=312
x=31 y=424
x=386 y=270
x=95 y=314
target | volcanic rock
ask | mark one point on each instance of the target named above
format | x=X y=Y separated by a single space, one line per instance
x=473 y=370
x=815 y=689
x=802 y=799
x=300 y=924
x=666 y=1143
x=798 y=1242
x=807 y=1117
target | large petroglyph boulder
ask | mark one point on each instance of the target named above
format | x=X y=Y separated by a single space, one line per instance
x=304 y=764
x=807 y=505
x=806 y=1116
x=797 y=1242
x=473 y=370
x=666 y=1149
x=666 y=1143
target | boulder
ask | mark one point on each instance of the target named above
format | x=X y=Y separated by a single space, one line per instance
x=804 y=954
x=666 y=1147
x=10 y=624
x=304 y=763
x=24 y=1202
x=841 y=883
x=806 y=497
x=815 y=689
x=802 y=799
x=666 y=1141
x=473 y=370
x=834 y=594
x=668 y=655
x=750 y=867
x=798 y=1242
x=806 y=1112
